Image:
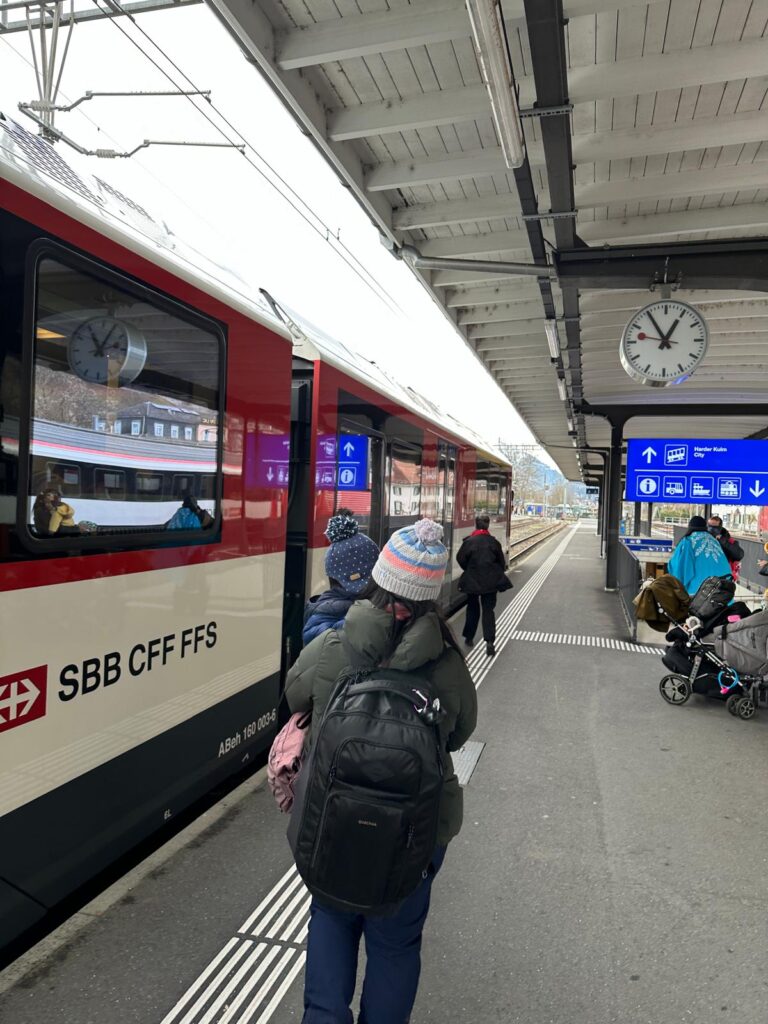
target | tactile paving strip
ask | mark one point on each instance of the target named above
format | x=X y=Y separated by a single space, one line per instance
x=465 y=760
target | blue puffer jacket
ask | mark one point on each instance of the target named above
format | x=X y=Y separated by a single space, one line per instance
x=327 y=611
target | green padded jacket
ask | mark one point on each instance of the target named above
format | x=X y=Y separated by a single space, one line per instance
x=421 y=648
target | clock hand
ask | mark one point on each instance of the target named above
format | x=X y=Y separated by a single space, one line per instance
x=666 y=343
x=642 y=336
x=655 y=325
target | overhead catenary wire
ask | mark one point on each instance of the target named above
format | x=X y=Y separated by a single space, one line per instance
x=320 y=227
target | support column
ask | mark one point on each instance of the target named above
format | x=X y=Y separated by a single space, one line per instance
x=638 y=511
x=707 y=511
x=650 y=518
x=613 y=508
x=600 y=508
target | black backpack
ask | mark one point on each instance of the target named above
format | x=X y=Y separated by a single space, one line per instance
x=714 y=594
x=364 y=822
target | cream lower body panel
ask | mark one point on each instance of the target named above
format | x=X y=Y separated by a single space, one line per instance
x=147 y=650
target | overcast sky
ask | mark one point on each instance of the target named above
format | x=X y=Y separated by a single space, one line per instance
x=216 y=199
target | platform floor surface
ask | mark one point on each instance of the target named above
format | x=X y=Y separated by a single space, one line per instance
x=611 y=867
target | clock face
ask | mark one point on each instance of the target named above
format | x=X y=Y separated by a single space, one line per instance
x=664 y=343
x=104 y=350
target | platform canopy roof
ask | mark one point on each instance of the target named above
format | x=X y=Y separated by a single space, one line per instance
x=644 y=124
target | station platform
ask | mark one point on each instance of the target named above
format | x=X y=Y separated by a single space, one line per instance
x=609 y=869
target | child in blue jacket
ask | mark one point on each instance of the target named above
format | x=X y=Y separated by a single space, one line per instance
x=348 y=564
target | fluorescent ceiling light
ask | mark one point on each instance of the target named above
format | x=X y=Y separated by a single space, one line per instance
x=561 y=388
x=570 y=423
x=487 y=23
x=43 y=333
x=553 y=338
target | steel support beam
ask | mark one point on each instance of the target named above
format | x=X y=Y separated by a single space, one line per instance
x=728 y=264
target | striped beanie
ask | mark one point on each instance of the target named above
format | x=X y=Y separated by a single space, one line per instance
x=412 y=563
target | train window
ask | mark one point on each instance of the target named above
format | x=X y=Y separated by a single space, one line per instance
x=109 y=483
x=207 y=487
x=183 y=484
x=117 y=373
x=405 y=465
x=64 y=477
x=149 y=483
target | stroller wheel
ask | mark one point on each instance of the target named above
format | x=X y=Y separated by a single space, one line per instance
x=732 y=703
x=675 y=689
x=746 y=708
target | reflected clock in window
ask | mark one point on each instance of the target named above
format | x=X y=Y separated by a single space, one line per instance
x=105 y=349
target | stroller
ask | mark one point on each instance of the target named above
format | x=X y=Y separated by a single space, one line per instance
x=699 y=656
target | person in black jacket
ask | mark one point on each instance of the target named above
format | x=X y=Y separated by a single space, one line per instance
x=484 y=576
x=732 y=550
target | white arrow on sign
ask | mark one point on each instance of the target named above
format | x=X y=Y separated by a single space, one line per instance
x=649 y=453
x=270 y=474
x=348 y=448
x=17 y=698
x=757 y=490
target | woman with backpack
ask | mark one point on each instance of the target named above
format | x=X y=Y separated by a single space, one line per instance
x=396 y=625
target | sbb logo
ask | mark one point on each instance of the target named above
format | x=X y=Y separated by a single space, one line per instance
x=22 y=697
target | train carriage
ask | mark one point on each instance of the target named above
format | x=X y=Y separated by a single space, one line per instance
x=141 y=663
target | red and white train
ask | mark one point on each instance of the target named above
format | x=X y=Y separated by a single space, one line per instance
x=141 y=664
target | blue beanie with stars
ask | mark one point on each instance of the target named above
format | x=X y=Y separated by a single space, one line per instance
x=351 y=556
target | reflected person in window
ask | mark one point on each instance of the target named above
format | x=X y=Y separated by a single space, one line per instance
x=53 y=517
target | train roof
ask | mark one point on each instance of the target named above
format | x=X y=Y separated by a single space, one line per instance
x=34 y=165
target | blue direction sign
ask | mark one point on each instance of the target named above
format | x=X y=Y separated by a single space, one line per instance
x=679 y=471
x=353 y=463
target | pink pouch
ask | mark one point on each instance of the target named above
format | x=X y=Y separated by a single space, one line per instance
x=285 y=759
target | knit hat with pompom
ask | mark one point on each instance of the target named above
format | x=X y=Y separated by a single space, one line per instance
x=351 y=556
x=412 y=563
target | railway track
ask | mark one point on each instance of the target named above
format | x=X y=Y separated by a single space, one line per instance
x=528 y=534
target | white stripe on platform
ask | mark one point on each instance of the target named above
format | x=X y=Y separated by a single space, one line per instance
x=606 y=642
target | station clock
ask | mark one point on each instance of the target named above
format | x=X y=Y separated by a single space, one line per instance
x=664 y=343
x=104 y=348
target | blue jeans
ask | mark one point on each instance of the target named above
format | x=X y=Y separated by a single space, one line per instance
x=393 y=950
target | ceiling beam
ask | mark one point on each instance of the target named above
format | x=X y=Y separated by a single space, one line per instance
x=532 y=342
x=713 y=312
x=362 y=35
x=598 y=302
x=682 y=184
x=607 y=80
x=673 y=186
x=491 y=294
x=663 y=225
x=476 y=245
x=476 y=163
x=508 y=329
x=507 y=312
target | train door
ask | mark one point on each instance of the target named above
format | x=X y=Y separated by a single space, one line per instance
x=446 y=488
x=299 y=500
x=403 y=492
x=366 y=503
